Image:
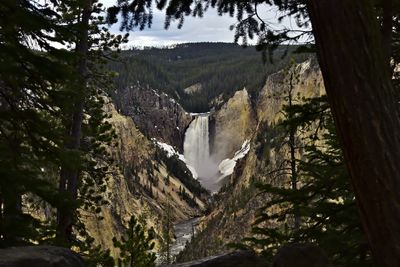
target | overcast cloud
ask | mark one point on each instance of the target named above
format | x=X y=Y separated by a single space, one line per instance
x=210 y=28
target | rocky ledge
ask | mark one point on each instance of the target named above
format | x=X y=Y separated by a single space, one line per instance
x=43 y=256
x=157 y=115
x=237 y=259
x=290 y=255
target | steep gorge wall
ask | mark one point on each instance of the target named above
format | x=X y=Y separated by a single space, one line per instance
x=156 y=114
x=270 y=100
x=140 y=183
x=236 y=121
x=233 y=123
x=238 y=201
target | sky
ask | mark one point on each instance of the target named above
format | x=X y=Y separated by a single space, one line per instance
x=210 y=28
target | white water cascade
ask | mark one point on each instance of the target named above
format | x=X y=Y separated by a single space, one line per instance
x=196 y=149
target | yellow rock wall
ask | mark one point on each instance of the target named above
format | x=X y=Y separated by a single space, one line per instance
x=234 y=123
x=133 y=152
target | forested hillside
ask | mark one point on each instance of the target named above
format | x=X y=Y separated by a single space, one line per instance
x=216 y=69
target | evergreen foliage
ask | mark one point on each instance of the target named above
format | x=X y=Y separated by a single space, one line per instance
x=46 y=91
x=30 y=129
x=136 y=246
x=166 y=234
x=41 y=86
x=179 y=169
x=219 y=69
x=186 y=197
x=324 y=200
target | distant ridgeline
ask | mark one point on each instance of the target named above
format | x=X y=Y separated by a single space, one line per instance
x=210 y=72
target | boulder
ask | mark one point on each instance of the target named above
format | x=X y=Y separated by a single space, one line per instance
x=39 y=256
x=157 y=115
x=300 y=255
x=233 y=259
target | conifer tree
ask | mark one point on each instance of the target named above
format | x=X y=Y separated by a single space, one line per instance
x=136 y=246
x=324 y=200
x=83 y=170
x=40 y=90
x=290 y=132
x=31 y=70
x=166 y=234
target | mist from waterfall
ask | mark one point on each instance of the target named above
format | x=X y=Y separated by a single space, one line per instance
x=196 y=149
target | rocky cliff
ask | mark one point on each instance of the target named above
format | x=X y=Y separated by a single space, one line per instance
x=142 y=182
x=232 y=124
x=145 y=178
x=238 y=201
x=157 y=115
x=271 y=98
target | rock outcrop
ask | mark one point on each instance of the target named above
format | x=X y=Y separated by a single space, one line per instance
x=233 y=123
x=238 y=201
x=236 y=259
x=140 y=183
x=291 y=255
x=157 y=115
x=195 y=88
x=271 y=98
x=43 y=256
x=301 y=255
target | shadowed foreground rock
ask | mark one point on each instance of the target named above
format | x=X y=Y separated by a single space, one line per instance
x=41 y=256
x=300 y=255
x=292 y=255
x=234 y=259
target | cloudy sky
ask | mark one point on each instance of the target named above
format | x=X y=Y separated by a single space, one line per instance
x=211 y=27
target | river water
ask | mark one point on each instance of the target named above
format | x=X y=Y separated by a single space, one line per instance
x=183 y=233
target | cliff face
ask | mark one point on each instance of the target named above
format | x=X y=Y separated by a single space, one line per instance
x=156 y=115
x=271 y=97
x=141 y=183
x=144 y=182
x=233 y=123
x=238 y=201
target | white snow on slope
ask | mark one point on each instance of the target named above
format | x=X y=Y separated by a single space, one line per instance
x=172 y=152
x=227 y=166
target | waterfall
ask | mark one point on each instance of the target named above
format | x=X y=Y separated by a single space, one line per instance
x=196 y=149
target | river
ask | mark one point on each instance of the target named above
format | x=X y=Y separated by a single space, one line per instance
x=183 y=233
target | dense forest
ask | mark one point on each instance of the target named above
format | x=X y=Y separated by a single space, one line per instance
x=219 y=69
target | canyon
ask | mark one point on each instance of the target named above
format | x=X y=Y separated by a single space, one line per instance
x=197 y=165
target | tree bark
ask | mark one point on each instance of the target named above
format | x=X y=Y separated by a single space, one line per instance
x=366 y=113
x=69 y=177
x=292 y=149
x=387 y=29
x=12 y=215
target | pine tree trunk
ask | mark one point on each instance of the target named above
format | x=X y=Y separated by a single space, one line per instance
x=366 y=113
x=387 y=26
x=69 y=177
x=292 y=149
x=1 y=219
x=12 y=215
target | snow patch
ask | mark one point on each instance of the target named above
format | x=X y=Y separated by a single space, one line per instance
x=155 y=92
x=172 y=152
x=305 y=66
x=199 y=114
x=227 y=166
